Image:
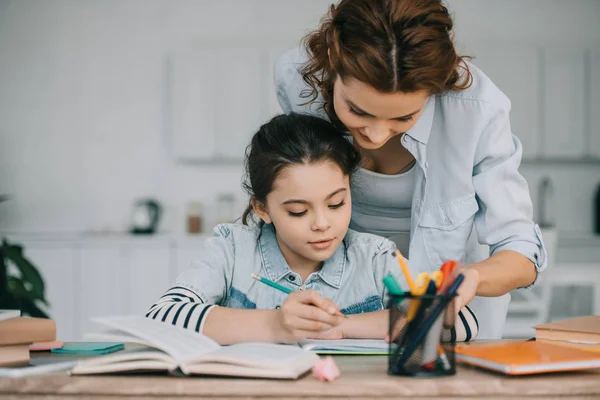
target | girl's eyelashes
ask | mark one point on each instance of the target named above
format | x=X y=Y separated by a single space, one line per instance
x=405 y=119
x=338 y=205
x=356 y=112
x=302 y=213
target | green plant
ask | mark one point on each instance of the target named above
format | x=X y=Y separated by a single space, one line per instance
x=23 y=290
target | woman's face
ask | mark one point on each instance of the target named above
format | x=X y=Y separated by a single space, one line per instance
x=373 y=117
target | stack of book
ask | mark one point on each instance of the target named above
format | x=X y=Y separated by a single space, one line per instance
x=582 y=332
x=17 y=333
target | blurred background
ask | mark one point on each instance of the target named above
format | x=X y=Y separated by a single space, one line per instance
x=133 y=116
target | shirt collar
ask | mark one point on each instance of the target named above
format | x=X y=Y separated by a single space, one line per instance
x=422 y=128
x=276 y=268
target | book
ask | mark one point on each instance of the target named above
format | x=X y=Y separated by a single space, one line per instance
x=89 y=348
x=7 y=314
x=21 y=330
x=166 y=347
x=15 y=355
x=523 y=358
x=347 y=346
x=585 y=330
x=33 y=370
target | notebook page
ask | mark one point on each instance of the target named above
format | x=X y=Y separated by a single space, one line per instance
x=179 y=343
x=265 y=356
x=258 y=355
x=358 y=345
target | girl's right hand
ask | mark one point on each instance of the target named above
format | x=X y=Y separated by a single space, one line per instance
x=305 y=314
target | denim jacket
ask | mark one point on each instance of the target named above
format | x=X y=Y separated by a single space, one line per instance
x=222 y=276
x=352 y=277
x=470 y=200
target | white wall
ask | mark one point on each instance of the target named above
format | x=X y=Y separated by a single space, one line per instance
x=83 y=128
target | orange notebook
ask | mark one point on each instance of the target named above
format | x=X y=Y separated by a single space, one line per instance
x=523 y=358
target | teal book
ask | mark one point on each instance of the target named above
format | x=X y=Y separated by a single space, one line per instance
x=89 y=348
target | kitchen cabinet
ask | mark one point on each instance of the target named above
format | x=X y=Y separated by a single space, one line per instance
x=516 y=71
x=56 y=263
x=147 y=275
x=102 y=285
x=98 y=276
x=564 y=126
x=273 y=107
x=594 y=109
x=192 y=104
x=239 y=98
x=219 y=97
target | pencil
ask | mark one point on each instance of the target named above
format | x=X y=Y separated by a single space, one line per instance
x=283 y=289
x=271 y=283
x=411 y=283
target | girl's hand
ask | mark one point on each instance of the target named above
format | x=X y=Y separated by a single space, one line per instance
x=468 y=289
x=305 y=314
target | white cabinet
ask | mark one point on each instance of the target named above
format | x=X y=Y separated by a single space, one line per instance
x=272 y=106
x=239 y=98
x=220 y=94
x=148 y=275
x=102 y=283
x=516 y=71
x=564 y=125
x=594 y=131
x=90 y=277
x=56 y=263
x=192 y=104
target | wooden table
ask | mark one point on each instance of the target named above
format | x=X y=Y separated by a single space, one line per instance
x=362 y=377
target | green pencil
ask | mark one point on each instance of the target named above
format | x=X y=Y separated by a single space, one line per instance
x=272 y=284
x=283 y=289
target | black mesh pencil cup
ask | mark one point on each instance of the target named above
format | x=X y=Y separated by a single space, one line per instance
x=421 y=335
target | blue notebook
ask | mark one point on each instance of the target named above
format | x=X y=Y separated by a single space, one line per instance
x=89 y=348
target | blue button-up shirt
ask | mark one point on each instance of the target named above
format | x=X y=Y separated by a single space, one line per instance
x=470 y=201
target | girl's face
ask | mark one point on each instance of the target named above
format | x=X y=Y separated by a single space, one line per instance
x=310 y=207
x=373 y=117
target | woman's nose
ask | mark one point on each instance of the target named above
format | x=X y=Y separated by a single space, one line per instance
x=378 y=133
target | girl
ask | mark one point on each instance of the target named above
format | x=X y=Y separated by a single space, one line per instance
x=439 y=172
x=298 y=178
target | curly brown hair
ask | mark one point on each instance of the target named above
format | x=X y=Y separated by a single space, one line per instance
x=392 y=45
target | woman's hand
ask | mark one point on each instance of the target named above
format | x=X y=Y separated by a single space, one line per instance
x=468 y=289
x=307 y=314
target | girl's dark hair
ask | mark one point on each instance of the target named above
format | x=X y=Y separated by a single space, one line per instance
x=391 y=45
x=292 y=140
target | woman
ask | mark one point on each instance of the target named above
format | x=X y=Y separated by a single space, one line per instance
x=440 y=164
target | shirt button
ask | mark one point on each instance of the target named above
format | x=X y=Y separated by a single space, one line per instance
x=292 y=278
x=426 y=164
x=278 y=307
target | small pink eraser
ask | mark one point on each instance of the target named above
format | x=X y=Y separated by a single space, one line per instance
x=45 y=346
x=326 y=369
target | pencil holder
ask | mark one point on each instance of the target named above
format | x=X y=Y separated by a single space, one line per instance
x=421 y=339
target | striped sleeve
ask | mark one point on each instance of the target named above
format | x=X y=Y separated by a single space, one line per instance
x=181 y=307
x=466 y=327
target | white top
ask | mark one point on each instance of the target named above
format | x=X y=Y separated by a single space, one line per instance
x=381 y=204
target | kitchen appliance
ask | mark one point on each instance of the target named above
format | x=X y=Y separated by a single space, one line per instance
x=146 y=216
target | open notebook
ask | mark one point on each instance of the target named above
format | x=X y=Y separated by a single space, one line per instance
x=170 y=348
x=347 y=346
